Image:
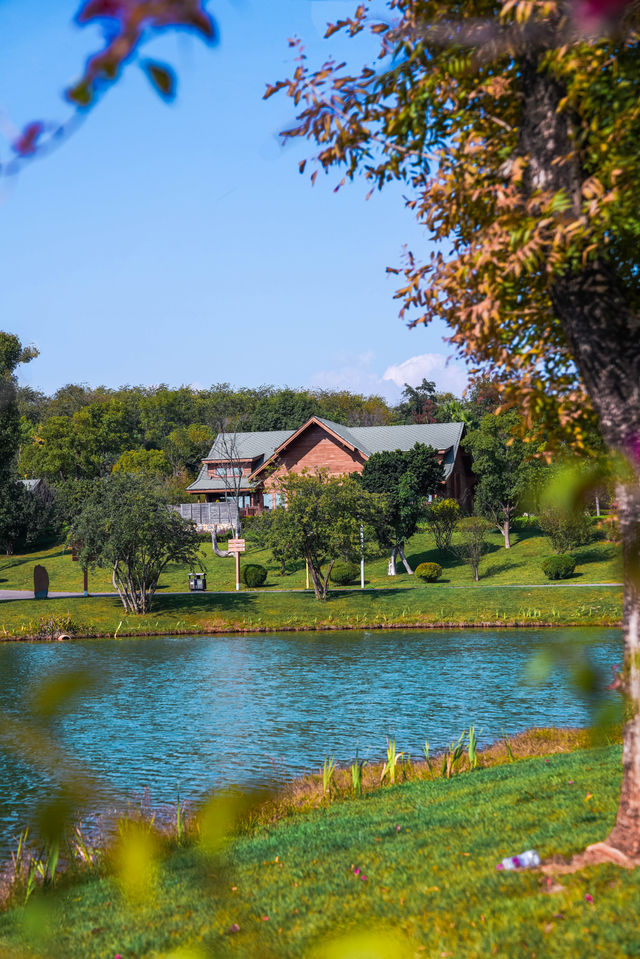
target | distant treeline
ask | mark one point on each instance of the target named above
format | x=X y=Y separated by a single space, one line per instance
x=84 y=433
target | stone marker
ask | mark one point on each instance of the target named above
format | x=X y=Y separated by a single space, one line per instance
x=40 y=582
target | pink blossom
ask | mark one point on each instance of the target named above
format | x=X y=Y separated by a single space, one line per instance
x=588 y=897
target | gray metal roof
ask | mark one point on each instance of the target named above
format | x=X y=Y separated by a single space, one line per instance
x=248 y=446
x=212 y=484
x=379 y=439
x=368 y=439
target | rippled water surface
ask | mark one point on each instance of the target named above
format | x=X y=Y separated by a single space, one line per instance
x=197 y=712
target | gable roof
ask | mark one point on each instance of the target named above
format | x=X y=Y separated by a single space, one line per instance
x=246 y=446
x=382 y=439
x=265 y=446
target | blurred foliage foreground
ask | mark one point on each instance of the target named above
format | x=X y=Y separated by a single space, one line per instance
x=374 y=861
x=403 y=871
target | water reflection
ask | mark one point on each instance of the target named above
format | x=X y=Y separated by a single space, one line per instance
x=199 y=712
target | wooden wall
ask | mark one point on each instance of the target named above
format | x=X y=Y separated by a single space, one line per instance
x=316 y=449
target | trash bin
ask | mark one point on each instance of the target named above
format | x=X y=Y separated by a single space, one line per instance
x=197 y=582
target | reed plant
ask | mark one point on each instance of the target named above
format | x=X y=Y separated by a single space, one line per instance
x=393 y=758
x=180 y=820
x=472 y=743
x=428 y=757
x=80 y=846
x=453 y=756
x=356 y=775
x=328 y=770
x=507 y=747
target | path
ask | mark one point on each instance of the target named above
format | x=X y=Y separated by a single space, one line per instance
x=28 y=594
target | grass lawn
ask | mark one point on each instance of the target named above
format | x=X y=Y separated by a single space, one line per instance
x=403 y=600
x=599 y=562
x=251 y=611
x=410 y=868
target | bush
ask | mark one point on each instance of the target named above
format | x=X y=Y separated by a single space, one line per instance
x=565 y=530
x=443 y=516
x=559 y=567
x=429 y=572
x=344 y=572
x=253 y=575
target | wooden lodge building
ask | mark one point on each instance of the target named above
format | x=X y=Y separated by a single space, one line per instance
x=252 y=462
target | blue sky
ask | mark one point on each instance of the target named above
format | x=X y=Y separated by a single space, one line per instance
x=179 y=243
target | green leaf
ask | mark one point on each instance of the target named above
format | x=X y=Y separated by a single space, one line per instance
x=161 y=77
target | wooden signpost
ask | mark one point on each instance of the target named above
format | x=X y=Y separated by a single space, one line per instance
x=237 y=546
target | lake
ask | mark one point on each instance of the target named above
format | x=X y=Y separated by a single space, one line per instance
x=195 y=713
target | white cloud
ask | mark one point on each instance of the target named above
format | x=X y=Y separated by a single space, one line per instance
x=356 y=374
x=449 y=377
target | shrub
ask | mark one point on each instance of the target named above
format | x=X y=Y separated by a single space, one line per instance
x=473 y=530
x=443 y=516
x=344 y=572
x=565 y=530
x=52 y=626
x=429 y=572
x=559 y=567
x=253 y=575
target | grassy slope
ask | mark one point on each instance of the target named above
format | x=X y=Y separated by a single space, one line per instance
x=252 y=611
x=405 y=600
x=597 y=563
x=431 y=883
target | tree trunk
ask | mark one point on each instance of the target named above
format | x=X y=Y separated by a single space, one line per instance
x=404 y=561
x=603 y=333
x=625 y=835
x=505 y=529
x=223 y=553
x=597 y=499
x=393 y=569
x=475 y=571
x=320 y=585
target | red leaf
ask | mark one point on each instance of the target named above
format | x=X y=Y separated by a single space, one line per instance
x=27 y=143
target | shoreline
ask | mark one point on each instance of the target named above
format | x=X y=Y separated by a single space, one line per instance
x=324 y=628
x=299 y=796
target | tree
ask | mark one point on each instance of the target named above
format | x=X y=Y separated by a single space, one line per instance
x=12 y=354
x=499 y=462
x=535 y=128
x=15 y=507
x=226 y=447
x=404 y=478
x=565 y=528
x=185 y=447
x=473 y=532
x=125 y=526
x=146 y=462
x=24 y=516
x=443 y=516
x=419 y=404
x=283 y=410
x=320 y=522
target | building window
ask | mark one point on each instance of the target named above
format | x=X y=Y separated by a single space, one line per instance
x=227 y=471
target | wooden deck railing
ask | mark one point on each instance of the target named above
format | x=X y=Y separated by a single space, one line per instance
x=208 y=515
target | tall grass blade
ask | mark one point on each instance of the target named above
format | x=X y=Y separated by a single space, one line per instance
x=327 y=773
